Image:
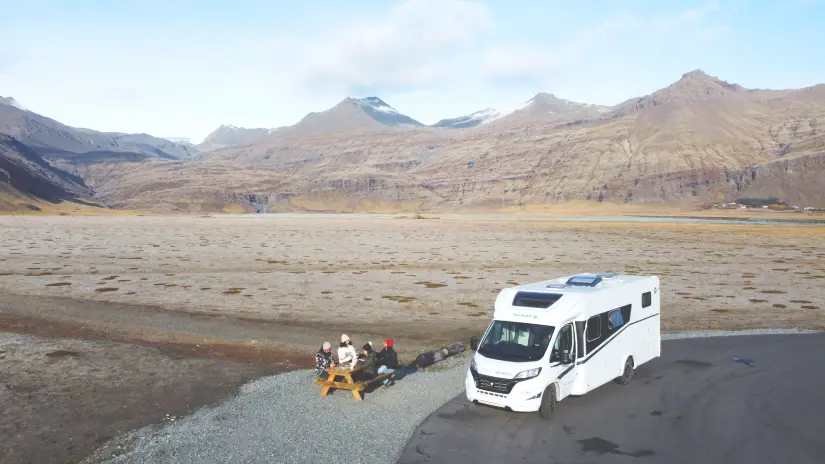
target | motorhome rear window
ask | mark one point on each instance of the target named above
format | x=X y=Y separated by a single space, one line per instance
x=646 y=299
x=535 y=299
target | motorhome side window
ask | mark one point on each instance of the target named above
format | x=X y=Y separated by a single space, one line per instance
x=646 y=299
x=564 y=342
x=615 y=319
x=594 y=328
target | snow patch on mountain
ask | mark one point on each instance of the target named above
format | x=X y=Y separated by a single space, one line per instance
x=541 y=103
x=485 y=116
x=383 y=113
x=377 y=104
x=9 y=101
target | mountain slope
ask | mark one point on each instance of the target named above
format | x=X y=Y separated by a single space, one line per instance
x=227 y=136
x=187 y=186
x=354 y=114
x=478 y=118
x=153 y=146
x=699 y=140
x=695 y=141
x=9 y=101
x=52 y=138
x=694 y=87
x=542 y=107
x=25 y=175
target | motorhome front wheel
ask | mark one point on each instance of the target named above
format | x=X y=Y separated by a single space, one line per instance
x=548 y=403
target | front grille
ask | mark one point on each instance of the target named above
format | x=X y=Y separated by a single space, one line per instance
x=493 y=384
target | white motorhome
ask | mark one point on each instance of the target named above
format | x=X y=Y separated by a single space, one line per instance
x=562 y=337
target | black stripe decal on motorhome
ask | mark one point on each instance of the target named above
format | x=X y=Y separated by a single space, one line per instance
x=567 y=370
x=602 y=345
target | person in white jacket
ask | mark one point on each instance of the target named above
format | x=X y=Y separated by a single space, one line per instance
x=347 y=356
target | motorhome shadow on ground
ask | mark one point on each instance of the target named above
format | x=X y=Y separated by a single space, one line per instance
x=552 y=339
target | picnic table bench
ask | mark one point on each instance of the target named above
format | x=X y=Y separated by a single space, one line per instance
x=356 y=387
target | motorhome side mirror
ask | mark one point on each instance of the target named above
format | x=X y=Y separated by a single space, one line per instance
x=566 y=358
x=473 y=343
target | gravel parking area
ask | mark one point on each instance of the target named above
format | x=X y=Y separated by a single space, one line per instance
x=283 y=419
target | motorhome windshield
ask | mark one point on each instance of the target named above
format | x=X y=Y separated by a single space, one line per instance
x=516 y=341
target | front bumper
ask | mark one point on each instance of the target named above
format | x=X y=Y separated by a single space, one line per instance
x=525 y=396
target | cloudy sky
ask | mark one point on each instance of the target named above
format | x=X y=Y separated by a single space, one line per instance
x=181 y=68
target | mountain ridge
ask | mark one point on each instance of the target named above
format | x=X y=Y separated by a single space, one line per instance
x=26 y=176
x=695 y=141
x=227 y=135
x=51 y=138
x=698 y=128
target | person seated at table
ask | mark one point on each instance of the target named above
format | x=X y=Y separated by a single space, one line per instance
x=361 y=353
x=368 y=366
x=347 y=356
x=387 y=361
x=323 y=360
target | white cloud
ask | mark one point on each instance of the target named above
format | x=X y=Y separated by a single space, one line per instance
x=177 y=83
x=430 y=58
x=415 y=45
x=546 y=64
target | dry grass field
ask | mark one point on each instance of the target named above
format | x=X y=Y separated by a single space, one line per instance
x=111 y=323
x=422 y=280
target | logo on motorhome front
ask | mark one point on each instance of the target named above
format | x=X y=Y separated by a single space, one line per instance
x=526 y=315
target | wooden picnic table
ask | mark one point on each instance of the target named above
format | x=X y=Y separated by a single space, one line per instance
x=348 y=384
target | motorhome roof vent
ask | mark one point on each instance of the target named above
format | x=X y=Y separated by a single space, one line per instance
x=584 y=281
x=535 y=299
x=607 y=275
x=557 y=285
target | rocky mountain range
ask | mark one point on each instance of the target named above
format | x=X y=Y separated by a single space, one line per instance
x=699 y=140
x=24 y=175
x=52 y=139
x=227 y=135
x=542 y=105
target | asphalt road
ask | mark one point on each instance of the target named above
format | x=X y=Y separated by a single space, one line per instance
x=694 y=404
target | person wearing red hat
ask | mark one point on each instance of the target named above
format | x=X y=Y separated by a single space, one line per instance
x=388 y=361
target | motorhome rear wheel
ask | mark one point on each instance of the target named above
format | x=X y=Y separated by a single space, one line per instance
x=627 y=374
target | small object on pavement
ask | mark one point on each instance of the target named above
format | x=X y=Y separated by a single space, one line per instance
x=745 y=361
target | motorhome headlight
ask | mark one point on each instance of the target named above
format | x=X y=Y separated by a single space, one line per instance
x=473 y=364
x=528 y=374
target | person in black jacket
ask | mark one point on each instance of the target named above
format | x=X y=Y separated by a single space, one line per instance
x=367 y=365
x=388 y=361
x=323 y=359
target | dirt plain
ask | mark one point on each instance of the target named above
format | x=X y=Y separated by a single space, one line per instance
x=110 y=323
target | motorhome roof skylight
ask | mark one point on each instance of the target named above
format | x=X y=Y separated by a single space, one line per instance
x=584 y=281
x=535 y=299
